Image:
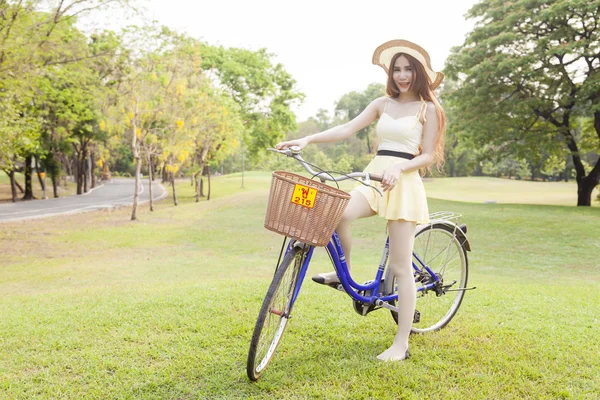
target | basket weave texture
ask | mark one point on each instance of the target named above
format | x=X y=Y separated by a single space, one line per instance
x=313 y=226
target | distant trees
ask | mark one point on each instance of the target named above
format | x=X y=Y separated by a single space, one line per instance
x=146 y=97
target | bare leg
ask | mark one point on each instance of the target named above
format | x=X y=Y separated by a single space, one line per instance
x=358 y=207
x=402 y=238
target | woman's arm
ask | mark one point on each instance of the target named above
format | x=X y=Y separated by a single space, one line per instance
x=340 y=132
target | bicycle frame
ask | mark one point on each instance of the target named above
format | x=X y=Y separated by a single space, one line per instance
x=336 y=254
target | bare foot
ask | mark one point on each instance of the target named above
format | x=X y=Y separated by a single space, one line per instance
x=394 y=353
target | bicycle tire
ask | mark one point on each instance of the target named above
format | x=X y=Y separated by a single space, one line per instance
x=436 y=311
x=271 y=321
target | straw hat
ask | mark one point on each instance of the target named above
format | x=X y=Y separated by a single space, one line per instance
x=384 y=53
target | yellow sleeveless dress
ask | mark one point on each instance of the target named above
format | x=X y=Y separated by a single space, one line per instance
x=407 y=200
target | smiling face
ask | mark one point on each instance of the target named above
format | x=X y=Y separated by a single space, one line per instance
x=403 y=74
x=406 y=75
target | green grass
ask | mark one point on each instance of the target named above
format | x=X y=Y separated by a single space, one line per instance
x=97 y=306
x=486 y=189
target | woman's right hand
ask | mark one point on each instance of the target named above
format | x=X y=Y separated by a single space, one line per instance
x=298 y=142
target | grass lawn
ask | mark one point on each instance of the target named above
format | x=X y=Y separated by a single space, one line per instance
x=97 y=306
x=486 y=189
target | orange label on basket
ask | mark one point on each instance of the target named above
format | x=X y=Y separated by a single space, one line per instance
x=304 y=196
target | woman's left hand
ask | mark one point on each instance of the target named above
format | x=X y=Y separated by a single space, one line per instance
x=390 y=177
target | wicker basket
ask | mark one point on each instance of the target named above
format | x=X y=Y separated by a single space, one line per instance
x=304 y=209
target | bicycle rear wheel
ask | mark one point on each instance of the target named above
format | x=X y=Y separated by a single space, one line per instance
x=441 y=250
x=274 y=314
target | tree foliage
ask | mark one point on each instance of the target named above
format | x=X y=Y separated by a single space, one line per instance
x=527 y=73
x=72 y=101
x=264 y=92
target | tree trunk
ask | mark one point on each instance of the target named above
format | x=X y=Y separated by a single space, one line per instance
x=13 y=186
x=201 y=154
x=150 y=179
x=135 y=148
x=85 y=171
x=92 y=167
x=54 y=186
x=584 y=192
x=153 y=168
x=136 y=192
x=165 y=176
x=28 y=190
x=586 y=185
x=208 y=178
x=193 y=177
x=69 y=168
x=37 y=168
x=18 y=185
x=197 y=185
x=174 y=193
x=76 y=175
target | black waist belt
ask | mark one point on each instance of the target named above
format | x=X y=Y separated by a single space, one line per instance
x=400 y=154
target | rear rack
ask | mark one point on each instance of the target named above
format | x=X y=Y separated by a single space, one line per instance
x=444 y=216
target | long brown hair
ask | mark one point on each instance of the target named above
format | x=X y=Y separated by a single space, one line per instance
x=421 y=86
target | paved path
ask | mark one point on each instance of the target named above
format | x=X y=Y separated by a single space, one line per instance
x=116 y=193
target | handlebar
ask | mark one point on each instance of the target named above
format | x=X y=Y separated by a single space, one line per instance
x=294 y=152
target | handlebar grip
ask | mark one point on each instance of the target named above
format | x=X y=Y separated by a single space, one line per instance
x=376 y=178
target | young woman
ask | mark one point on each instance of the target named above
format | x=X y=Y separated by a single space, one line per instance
x=410 y=130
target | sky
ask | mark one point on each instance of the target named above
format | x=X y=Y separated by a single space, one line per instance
x=326 y=45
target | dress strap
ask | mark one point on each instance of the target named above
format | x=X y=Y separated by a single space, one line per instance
x=386 y=103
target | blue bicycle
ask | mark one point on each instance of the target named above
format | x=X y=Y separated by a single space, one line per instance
x=440 y=269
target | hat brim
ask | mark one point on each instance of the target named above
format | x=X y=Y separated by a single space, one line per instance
x=384 y=53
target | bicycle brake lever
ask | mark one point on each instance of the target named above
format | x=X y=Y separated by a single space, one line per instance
x=367 y=181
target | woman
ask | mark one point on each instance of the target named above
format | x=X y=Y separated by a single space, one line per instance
x=410 y=129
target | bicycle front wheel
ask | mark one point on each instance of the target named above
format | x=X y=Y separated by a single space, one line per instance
x=274 y=314
x=441 y=250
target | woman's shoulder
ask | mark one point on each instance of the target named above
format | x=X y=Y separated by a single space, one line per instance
x=380 y=103
x=429 y=107
x=381 y=100
x=430 y=111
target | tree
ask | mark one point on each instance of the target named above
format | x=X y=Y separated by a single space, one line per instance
x=264 y=93
x=217 y=126
x=525 y=74
x=144 y=88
